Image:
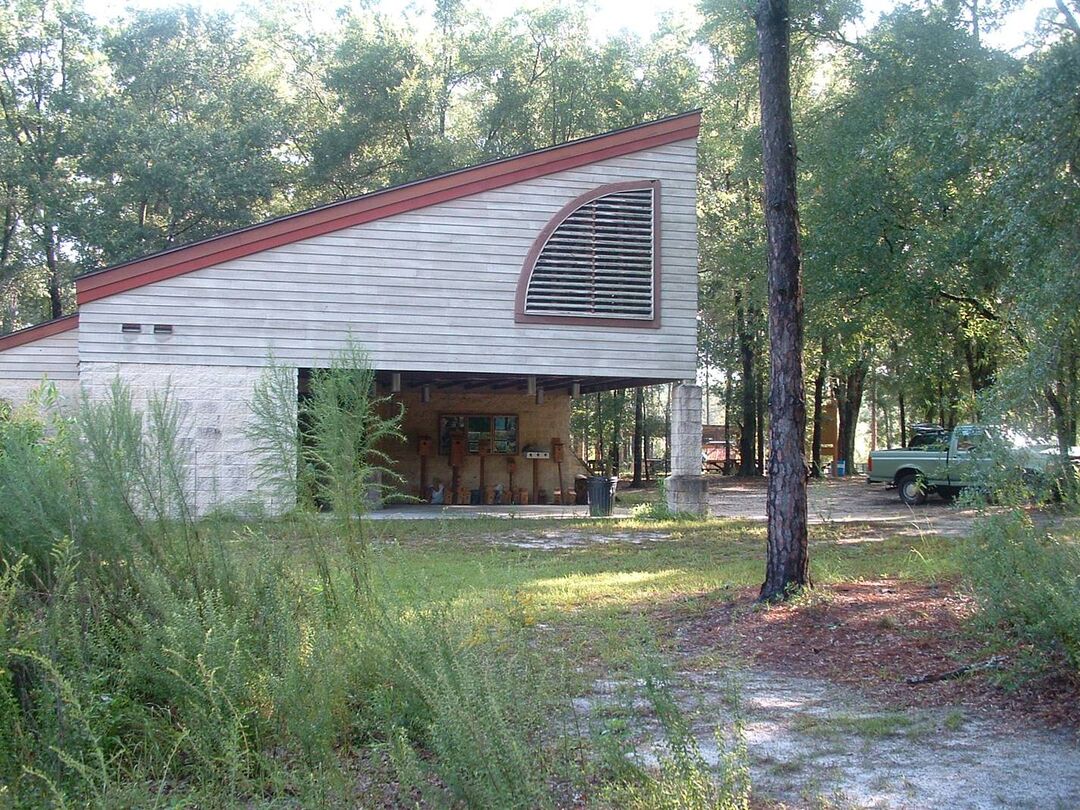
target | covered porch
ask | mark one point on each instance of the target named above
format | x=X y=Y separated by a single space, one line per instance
x=501 y=443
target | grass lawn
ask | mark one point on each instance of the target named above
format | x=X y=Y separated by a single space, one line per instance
x=592 y=585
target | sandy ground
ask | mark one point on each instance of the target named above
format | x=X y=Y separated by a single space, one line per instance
x=845 y=500
x=814 y=744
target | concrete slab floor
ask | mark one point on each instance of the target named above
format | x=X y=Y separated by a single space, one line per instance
x=531 y=511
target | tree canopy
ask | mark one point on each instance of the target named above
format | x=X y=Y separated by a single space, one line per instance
x=939 y=176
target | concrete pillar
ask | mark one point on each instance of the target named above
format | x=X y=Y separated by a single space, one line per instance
x=686 y=486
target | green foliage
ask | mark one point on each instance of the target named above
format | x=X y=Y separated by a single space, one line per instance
x=175 y=674
x=274 y=433
x=484 y=732
x=344 y=433
x=147 y=658
x=328 y=449
x=684 y=779
x=182 y=143
x=1027 y=584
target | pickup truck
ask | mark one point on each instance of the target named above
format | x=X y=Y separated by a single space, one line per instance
x=959 y=460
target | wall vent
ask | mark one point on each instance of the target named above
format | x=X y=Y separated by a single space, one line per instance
x=131 y=328
x=597 y=259
x=162 y=329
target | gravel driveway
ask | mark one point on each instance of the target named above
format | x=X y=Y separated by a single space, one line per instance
x=845 y=500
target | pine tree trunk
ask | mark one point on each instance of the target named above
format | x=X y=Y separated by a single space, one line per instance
x=849 y=403
x=639 y=430
x=56 y=303
x=749 y=408
x=601 y=461
x=667 y=428
x=787 y=567
x=727 y=401
x=819 y=402
x=873 y=415
x=903 y=421
x=646 y=439
x=759 y=466
x=619 y=402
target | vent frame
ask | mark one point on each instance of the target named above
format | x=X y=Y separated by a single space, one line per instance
x=593 y=318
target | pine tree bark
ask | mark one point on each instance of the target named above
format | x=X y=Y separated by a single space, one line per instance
x=727 y=401
x=849 y=396
x=903 y=420
x=759 y=466
x=819 y=403
x=787 y=566
x=56 y=303
x=749 y=407
x=639 y=430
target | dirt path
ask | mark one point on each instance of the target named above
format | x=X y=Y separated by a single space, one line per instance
x=814 y=744
x=845 y=500
x=808 y=739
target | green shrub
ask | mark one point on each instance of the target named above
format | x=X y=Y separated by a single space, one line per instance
x=1027 y=584
x=465 y=713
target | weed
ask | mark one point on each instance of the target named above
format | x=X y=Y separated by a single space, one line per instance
x=1027 y=584
x=866 y=726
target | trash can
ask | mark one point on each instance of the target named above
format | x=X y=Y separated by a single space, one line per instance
x=841 y=468
x=602 y=494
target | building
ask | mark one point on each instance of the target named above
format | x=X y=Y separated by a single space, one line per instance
x=486 y=297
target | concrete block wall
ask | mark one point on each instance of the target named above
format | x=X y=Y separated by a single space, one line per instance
x=686 y=486
x=216 y=404
x=686 y=430
x=537 y=425
x=17 y=392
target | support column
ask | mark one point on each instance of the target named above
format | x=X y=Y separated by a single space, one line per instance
x=686 y=486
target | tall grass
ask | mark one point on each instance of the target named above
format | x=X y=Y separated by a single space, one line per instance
x=148 y=658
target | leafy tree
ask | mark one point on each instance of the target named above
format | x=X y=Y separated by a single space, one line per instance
x=1032 y=122
x=184 y=145
x=46 y=80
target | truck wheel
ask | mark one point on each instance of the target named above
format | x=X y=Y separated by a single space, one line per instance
x=912 y=490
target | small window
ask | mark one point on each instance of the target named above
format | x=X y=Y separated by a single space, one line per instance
x=162 y=329
x=596 y=259
x=131 y=328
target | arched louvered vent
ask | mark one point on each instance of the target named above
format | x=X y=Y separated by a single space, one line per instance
x=596 y=259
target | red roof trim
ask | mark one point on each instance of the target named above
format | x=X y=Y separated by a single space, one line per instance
x=382 y=204
x=39 y=331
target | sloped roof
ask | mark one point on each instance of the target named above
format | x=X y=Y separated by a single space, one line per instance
x=38 y=331
x=380 y=204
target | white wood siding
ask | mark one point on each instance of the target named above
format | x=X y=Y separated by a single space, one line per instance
x=56 y=357
x=431 y=289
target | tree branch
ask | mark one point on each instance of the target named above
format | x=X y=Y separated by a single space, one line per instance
x=1070 y=18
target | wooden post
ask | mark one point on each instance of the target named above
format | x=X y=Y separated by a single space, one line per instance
x=536 y=480
x=483 y=450
x=457 y=458
x=424 y=449
x=557 y=455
